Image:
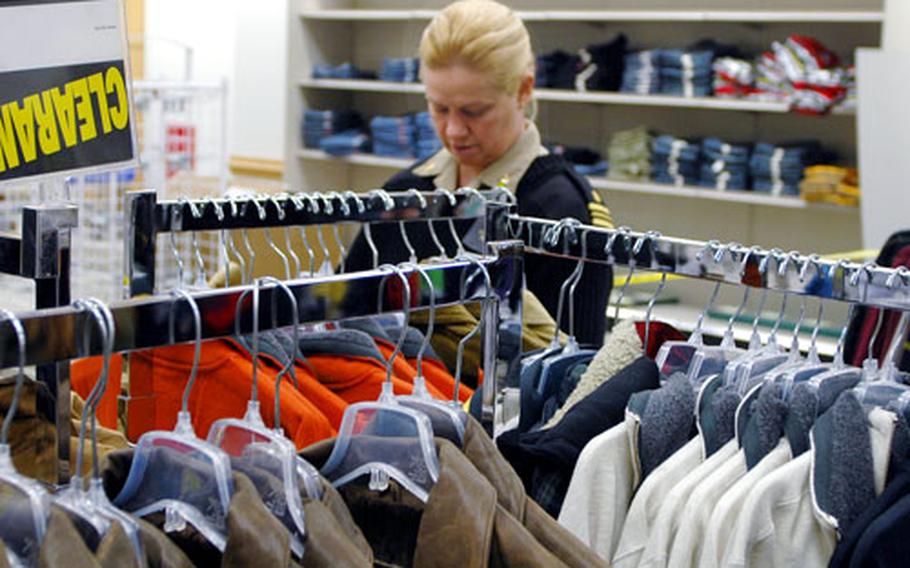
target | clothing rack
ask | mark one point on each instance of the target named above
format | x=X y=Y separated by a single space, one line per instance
x=42 y=254
x=733 y=263
x=55 y=335
x=146 y=217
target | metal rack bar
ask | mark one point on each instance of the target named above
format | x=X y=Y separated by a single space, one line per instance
x=146 y=217
x=56 y=335
x=791 y=272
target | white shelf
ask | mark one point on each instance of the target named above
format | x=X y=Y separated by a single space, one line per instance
x=357 y=159
x=732 y=16
x=560 y=95
x=731 y=196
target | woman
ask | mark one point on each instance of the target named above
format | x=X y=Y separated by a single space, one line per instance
x=478 y=69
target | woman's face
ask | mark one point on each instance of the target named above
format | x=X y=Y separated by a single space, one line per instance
x=476 y=121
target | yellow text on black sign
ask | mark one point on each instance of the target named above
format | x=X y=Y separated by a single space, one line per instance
x=47 y=122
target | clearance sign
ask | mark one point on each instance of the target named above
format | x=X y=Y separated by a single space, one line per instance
x=64 y=88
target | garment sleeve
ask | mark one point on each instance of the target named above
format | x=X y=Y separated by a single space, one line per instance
x=544 y=275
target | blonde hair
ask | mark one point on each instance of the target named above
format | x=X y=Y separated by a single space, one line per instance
x=485 y=36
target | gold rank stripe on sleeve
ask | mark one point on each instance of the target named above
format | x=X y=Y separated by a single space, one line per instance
x=600 y=215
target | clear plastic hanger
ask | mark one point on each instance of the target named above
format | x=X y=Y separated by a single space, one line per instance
x=326 y=267
x=488 y=291
x=346 y=211
x=26 y=508
x=263 y=213
x=448 y=421
x=554 y=368
x=384 y=439
x=74 y=498
x=175 y=249
x=300 y=201
x=453 y=202
x=254 y=446
x=710 y=360
x=177 y=473
x=222 y=240
x=99 y=502
x=676 y=356
x=232 y=246
x=199 y=277
x=387 y=204
x=625 y=232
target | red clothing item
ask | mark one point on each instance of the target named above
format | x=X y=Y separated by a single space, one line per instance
x=222 y=390
x=329 y=403
x=402 y=369
x=355 y=378
x=84 y=374
x=438 y=377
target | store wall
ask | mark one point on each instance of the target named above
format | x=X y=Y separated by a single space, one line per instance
x=243 y=43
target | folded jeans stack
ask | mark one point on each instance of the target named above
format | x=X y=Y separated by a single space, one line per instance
x=344 y=71
x=675 y=161
x=686 y=73
x=642 y=72
x=629 y=155
x=725 y=166
x=394 y=136
x=778 y=170
x=400 y=70
x=319 y=124
x=347 y=142
x=427 y=142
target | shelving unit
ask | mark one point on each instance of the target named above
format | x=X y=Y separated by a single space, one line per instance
x=365 y=31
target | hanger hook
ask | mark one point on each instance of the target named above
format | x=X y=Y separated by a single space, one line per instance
x=575 y=277
x=625 y=286
x=431 y=318
x=295 y=323
x=754 y=250
x=660 y=287
x=197 y=351
x=105 y=328
x=459 y=356
x=358 y=201
x=196 y=212
x=175 y=224
x=387 y=205
x=813 y=261
x=407 y=317
x=19 y=330
x=712 y=245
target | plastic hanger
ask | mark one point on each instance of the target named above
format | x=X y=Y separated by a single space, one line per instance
x=812 y=365
x=252 y=445
x=488 y=288
x=99 y=502
x=625 y=232
x=710 y=360
x=74 y=498
x=387 y=204
x=175 y=249
x=676 y=356
x=555 y=368
x=881 y=385
x=301 y=200
x=447 y=420
x=177 y=473
x=232 y=246
x=346 y=211
x=453 y=203
x=384 y=439
x=24 y=515
x=222 y=240
x=199 y=277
